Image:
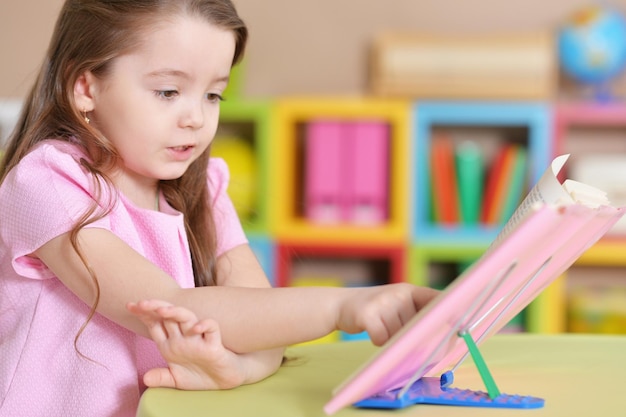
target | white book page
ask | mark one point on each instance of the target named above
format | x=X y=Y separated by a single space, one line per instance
x=549 y=190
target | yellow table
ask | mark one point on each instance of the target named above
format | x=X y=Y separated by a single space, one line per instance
x=577 y=375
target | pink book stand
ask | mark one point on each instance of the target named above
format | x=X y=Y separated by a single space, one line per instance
x=475 y=306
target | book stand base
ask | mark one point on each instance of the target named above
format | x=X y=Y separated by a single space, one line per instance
x=437 y=391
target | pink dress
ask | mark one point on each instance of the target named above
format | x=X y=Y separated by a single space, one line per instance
x=41 y=373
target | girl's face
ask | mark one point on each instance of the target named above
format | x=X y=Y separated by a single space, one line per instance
x=159 y=104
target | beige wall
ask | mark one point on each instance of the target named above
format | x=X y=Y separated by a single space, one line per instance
x=298 y=46
x=25 y=26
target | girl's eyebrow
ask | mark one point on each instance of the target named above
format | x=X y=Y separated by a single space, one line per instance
x=168 y=72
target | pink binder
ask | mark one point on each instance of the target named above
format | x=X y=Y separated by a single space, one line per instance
x=325 y=173
x=368 y=155
x=542 y=244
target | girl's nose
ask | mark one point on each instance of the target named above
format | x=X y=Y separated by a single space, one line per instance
x=193 y=116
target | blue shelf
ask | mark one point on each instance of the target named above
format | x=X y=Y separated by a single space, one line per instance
x=265 y=251
x=536 y=117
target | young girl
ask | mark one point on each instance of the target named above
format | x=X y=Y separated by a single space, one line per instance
x=108 y=198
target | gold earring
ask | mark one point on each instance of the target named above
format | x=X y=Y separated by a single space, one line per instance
x=87 y=119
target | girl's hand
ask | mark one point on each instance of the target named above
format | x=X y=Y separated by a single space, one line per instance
x=193 y=349
x=381 y=310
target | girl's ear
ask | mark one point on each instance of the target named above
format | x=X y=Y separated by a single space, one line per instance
x=84 y=92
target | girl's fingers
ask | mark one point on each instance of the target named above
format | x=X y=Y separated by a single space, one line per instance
x=377 y=332
x=183 y=318
x=172 y=328
x=156 y=329
x=404 y=315
x=393 y=323
x=159 y=377
x=146 y=310
x=150 y=319
x=147 y=306
x=166 y=321
x=209 y=329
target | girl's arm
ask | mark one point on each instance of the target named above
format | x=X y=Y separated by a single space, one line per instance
x=196 y=358
x=239 y=267
x=250 y=319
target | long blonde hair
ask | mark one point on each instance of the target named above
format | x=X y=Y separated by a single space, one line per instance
x=88 y=36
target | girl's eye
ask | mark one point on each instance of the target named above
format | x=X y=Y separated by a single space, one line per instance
x=166 y=94
x=214 y=98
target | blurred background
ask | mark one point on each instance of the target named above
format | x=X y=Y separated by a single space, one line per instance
x=298 y=46
x=346 y=119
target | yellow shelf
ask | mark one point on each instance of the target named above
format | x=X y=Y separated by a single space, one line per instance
x=605 y=253
x=302 y=231
x=289 y=116
x=547 y=313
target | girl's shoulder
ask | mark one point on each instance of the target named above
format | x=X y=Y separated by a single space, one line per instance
x=218 y=176
x=49 y=163
x=51 y=150
x=54 y=155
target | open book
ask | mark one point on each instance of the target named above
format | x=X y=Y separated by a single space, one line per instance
x=550 y=229
x=549 y=190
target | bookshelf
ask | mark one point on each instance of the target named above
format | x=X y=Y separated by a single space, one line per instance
x=264 y=249
x=495 y=124
x=436 y=265
x=291 y=117
x=348 y=265
x=481 y=133
x=248 y=124
x=594 y=289
x=408 y=244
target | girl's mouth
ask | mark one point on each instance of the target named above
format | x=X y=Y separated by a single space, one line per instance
x=181 y=148
x=181 y=153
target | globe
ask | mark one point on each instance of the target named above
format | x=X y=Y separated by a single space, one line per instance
x=592 y=47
